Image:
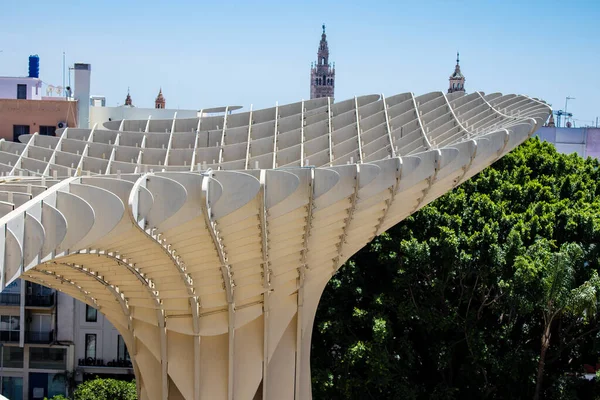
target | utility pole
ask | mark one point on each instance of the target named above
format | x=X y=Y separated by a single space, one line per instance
x=64 y=83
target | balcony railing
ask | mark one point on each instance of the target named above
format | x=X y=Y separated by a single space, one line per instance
x=96 y=362
x=10 y=299
x=39 y=300
x=39 y=337
x=9 y=336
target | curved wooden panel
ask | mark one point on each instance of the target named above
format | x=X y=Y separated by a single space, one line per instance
x=80 y=218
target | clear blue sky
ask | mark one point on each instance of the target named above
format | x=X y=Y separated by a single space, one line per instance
x=207 y=54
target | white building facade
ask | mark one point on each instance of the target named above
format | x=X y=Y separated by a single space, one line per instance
x=99 y=348
x=583 y=141
x=48 y=340
x=21 y=88
x=36 y=349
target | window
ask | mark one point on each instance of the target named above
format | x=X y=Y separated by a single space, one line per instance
x=91 y=314
x=47 y=358
x=122 y=353
x=40 y=328
x=56 y=385
x=9 y=328
x=47 y=130
x=12 y=387
x=11 y=295
x=22 y=92
x=324 y=79
x=12 y=357
x=34 y=289
x=19 y=130
x=90 y=345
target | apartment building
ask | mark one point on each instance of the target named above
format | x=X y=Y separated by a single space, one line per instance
x=48 y=340
x=99 y=348
x=35 y=350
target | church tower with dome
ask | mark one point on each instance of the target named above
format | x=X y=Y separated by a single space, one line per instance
x=457 y=79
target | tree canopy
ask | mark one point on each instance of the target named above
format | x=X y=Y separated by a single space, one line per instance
x=489 y=292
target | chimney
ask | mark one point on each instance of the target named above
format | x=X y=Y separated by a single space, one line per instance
x=83 y=74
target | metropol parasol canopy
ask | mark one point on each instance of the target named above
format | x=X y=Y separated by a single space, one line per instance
x=207 y=242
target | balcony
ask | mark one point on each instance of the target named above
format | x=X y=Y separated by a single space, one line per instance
x=9 y=336
x=39 y=337
x=96 y=362
x=10 y=299
x=48 y=358
x=39 y=300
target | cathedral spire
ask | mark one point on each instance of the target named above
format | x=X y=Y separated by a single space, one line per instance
x=128 y=101
x=322 y=76
x=160 y=101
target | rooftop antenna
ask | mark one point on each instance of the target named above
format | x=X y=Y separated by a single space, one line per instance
x=64 y=73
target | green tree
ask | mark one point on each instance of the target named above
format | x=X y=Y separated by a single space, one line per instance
x=103 y=389
x=452 y=302
x=553 y=275
x=106 y=389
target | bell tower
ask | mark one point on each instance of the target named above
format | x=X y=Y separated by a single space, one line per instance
x=457 y=79
x=322 y=73
x=128 y=101
x=160 y=101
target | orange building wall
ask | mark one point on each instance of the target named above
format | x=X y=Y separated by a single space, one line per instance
x=35 y=113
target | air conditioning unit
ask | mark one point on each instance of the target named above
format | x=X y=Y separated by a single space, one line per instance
x=61 y=124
